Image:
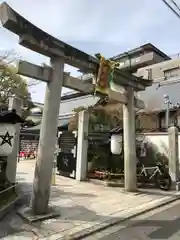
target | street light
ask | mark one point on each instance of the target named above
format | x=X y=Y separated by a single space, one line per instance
x=167 y=102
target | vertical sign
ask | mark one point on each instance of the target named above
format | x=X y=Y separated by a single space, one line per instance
x=105 y=75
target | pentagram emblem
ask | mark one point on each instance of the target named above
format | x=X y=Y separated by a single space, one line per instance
x=6 y=139
x=66 y=161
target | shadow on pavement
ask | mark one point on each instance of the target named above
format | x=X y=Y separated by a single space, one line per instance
x=22 y=173
x=155 y=192
x=12 y=223
x=161 y=229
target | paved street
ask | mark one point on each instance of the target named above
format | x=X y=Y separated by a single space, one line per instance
x=160 y=224
x=83 y=207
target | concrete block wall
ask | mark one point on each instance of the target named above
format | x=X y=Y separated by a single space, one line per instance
x=148 y=122
x=161 y=141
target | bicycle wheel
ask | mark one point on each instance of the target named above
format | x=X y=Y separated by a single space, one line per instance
x=163 y=181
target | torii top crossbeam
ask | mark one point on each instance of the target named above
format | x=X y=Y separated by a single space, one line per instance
x=37 y=40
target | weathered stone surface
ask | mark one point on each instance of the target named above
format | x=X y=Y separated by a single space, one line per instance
x=28 y=215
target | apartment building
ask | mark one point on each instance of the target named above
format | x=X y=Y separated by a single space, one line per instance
x=140 y=61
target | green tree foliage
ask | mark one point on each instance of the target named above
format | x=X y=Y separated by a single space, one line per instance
x=12 y=84
x=100 y=119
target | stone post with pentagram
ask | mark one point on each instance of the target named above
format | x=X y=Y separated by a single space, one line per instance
x=14 y=103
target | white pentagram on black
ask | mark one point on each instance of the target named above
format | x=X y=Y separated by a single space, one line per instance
x=65 y=161
x=6 y=139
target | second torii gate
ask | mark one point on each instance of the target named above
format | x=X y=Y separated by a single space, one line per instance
x=60 y=53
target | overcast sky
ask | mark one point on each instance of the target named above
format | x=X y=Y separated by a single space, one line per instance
x=108 y=27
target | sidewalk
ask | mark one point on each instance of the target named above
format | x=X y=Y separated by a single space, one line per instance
x=84 y=207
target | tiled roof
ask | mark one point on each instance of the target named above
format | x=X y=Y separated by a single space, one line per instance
x=67 y=106
x=153 y=97
x=61 y=123
x=148 y=46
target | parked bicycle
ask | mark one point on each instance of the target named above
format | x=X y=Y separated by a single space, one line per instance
x=157 y=175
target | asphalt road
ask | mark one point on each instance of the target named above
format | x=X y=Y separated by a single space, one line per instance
x=160 y=224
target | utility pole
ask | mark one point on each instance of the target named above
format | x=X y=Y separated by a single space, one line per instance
x=48 y=137
x=167 y=102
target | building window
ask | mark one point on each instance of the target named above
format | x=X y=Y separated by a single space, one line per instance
x=172 y=72
x=129 y=61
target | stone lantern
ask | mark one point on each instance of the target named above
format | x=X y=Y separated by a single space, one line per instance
x=8 y=119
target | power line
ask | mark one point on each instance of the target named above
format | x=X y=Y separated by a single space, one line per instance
x=171 y=8
x=175 y=4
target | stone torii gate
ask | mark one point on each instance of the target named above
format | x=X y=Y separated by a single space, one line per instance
x=60 y=53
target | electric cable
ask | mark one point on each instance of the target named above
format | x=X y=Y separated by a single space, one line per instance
x=171 y=8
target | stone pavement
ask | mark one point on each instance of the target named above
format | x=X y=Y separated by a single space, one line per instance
x=84 y=207
x=159 y=224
